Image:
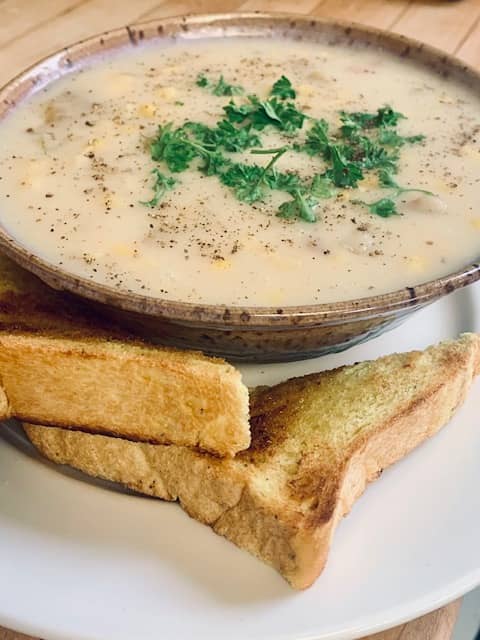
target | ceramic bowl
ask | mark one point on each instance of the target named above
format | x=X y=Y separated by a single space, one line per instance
x=242 y=333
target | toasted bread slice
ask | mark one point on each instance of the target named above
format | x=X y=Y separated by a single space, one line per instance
x=60 y=365
x=125 y=389
x=316 y=443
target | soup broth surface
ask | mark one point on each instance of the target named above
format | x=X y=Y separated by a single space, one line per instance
x=76 y=170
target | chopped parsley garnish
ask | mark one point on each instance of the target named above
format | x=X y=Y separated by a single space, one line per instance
x=287 y=181
x=356 y=121
x=237 y=113
x=387 y=180
x=299 y=207
x=343 y=173
x=317 y=140
x=373 y=156
x=161 y=185
x=322 y=187
x=246 y=181
x=219 y=88
x=260 y=113
x=171 y=147
x=222 y=88
x=235 y=138
x=363 y=142
x=283 y=89
x=223 y=135
x=385 y=207
x=250 y=181
x=202 y=81
x=391 y=138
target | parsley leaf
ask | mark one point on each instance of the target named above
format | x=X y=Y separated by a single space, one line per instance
x=360 y=151
x=353 y=121
x=283 y=89
x=202 y=133
x=171 y=147
x=235 y=138
x=201 y=81
x=391 y=138
x=306 y=199
x=373 y=156
x=162 y=184
x=299 y=207
x=277 y=113
x=279 y=181
x=343 y=173
x=283 y=115
x=317 y=140
x=268 y=108
x=177 y=149
x=225 y=135
x=222 y=88
x=385 y=207
x=249 y=181
x=419 y=137
x=214 y=163
x=386 y=179
x=350 y=125
x=237 y=113
x=322 y=187
x=387 y=117
x=246 y=181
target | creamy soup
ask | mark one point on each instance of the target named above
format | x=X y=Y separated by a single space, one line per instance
x=77 y=183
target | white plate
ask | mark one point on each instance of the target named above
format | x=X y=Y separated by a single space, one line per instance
x=80 y=561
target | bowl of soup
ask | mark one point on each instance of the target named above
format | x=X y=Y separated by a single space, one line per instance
x=257 y=186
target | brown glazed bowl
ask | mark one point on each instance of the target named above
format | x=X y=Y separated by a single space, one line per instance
x=250 y=333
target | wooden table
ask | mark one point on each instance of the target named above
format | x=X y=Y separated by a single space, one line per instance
x=30 y=29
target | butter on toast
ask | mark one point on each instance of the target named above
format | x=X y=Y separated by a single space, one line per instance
x=61 y=364
x=316 y=443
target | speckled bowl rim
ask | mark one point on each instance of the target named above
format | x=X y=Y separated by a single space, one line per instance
x=223 y=316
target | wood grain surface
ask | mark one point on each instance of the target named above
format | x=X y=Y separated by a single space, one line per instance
x=30 y=29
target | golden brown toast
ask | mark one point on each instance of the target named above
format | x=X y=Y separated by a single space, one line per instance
x=316 y=443
x=61 y=364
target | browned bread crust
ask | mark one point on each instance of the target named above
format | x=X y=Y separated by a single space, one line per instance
x=316 y=443
x=60 y=364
